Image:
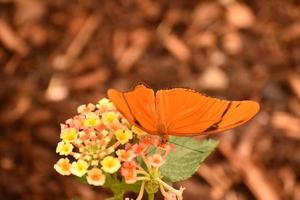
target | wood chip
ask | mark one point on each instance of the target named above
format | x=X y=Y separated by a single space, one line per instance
x=213 y=78
x=12 y=64
x=294 y=81
x=254 y=177
x=217 y=178
x=203 y=40
x=289 y=124
x=139 y=43
x=64 y=61
x=57 y=89
x=205 y=14
x=292 y=32
x=173 y=44
x=89 y=80
x=232 y=43
x=11 y=39
x=149 y=8
x=240 y=15
x=38 y=116
x=29 y=10
x=22 y=105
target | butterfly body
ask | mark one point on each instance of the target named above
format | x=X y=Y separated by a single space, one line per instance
x=180 y=112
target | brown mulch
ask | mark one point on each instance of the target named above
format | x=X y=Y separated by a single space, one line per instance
x=58 y=54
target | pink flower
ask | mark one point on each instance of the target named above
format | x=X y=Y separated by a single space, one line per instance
x=126 y=156
x=156 y=160
x=83 y=109
x=128 y=171
x=139 y=148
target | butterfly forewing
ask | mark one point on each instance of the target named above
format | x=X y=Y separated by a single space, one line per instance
x=138 y=106
x=238 y=113
x=120 y=102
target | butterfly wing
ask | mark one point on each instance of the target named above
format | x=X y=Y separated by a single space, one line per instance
x=138 y=106
x=237 y=114
x=186 y=112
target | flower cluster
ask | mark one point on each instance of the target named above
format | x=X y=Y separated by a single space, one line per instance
x=99 y=141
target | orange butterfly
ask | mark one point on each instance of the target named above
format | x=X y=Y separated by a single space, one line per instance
x=180 y=112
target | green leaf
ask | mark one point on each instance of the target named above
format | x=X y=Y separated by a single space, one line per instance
x=189 y=154
x=119 y=188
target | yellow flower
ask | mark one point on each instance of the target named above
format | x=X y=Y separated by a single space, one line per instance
x=138 y=131
x=106 y=103
x=95 y=177
x=64 y=148
x=68 y=134
x=92 y=120
x=123 y=136
x=63 y=166
x=79 y=168
x=110 y=164
x=110 y=118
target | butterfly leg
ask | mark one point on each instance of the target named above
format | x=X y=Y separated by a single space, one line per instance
x=164 y=139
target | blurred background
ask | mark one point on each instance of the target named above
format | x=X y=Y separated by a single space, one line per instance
x=58 y=54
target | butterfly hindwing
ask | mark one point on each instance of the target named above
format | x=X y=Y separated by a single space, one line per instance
x=187 y=112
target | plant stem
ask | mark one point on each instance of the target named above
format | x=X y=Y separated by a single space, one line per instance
x=150 y=196
x=141 y=193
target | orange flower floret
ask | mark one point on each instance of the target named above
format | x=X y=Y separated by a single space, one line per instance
x=63 y=166
x=95 y=177
x=130 y=178
x=83 y=109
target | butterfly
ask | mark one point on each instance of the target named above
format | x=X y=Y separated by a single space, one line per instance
x=180 y=111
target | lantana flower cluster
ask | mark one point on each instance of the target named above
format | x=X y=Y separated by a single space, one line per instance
x=99 y=142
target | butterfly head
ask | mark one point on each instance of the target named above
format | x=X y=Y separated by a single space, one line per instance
x=163 y=133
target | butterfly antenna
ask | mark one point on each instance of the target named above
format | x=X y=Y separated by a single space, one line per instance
x=180 y=145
